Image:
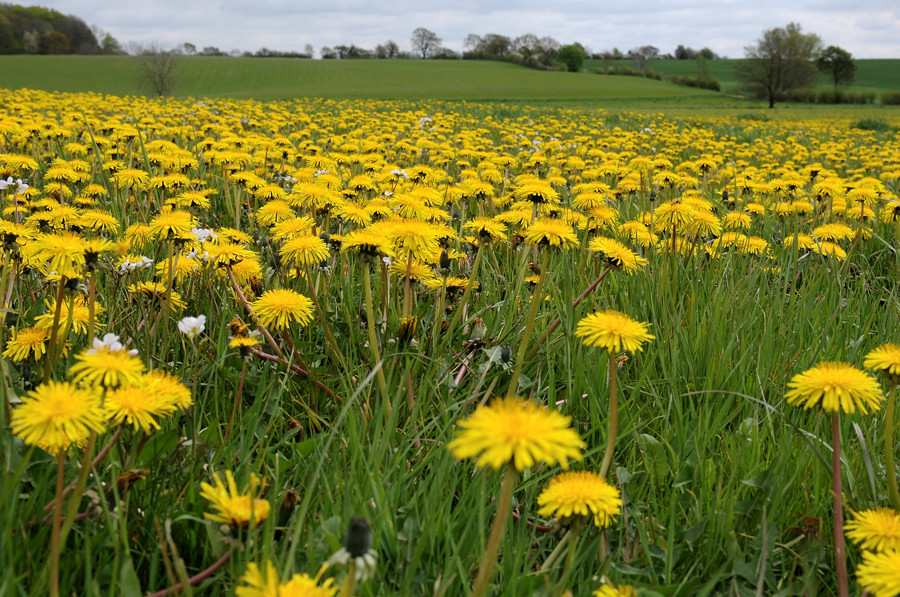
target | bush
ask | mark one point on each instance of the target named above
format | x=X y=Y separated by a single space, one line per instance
x=803 y=94
x=890 y=98
x=872 y=124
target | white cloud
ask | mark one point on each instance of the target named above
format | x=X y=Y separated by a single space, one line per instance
x=867 y=29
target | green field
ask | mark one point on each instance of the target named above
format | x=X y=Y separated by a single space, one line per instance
x=876 y=75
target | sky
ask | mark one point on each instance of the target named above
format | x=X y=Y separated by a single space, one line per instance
x=865 y=28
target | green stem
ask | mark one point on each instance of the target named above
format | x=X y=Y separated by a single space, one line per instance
x=54 y=331
x=55 y=532
x=889 y=449
x=237 y=401
x=536 y=300
x=332 y=343
x=613 y=417
x=497 y=531
x=349 y=581
x=840 y=556
x=557 y=551
x=465 y=297
x=373 y=340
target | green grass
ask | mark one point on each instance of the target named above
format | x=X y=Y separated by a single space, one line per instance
x=871 y=75
x=275 y=78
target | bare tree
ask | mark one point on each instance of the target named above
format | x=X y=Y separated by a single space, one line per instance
x=157 y=69
x=425 y=42
x=644 y=55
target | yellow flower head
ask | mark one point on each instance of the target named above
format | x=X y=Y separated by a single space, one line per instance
x=613 y=331
x=269 y=585
x=879 y=573
x=233 y=506
x=617 y=255
x=57 y=415
x=609 y=590
x=835 y=386
x=885 y=359
x=581 y=494
x=876 y=530
x=105 y=367
x=305 y=250
x=278 y=308
x=556 y=233
x=25 y=342
x=516 y=431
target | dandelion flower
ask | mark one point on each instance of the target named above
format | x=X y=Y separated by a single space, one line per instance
x=169 y=389
x=136 y=405
x=57 y=415
x=885 y=359
x=609 y=590
x=581 y=494
x=517 y=431
x=613 y=331
x=259 y=584
x=278 y=308
x=305 y=250
x=556 y=233
x=25 y=342
x=835 y=386
x=233 y=506
x=244 y=344
x=617 y=255
x=357 y=548
x=876 y=530
x=106 y=367
x=879 y=573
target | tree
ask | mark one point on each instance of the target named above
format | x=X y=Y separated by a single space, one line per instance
x=780 y=61
x=110 y=45
x=643 y=56
x=425 y=43
x=157 y=69
x=572 y=56
x=838 y=64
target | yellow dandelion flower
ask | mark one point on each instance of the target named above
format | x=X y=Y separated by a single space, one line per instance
x=169 y=388
x=305 y=250
x=233 y=506
x=517 y=431
x=367 y=242
x=879 y=573
x=835 y=386
x=613 y=331
x=609 y=590
x=487 y=229
x=269 y=585
x=56 y=415
x=617 y=255
x=885 y=359
x=278 y=308
x=875 y=530
x=244 y=344
x=174 y=224
x=25 y=342
x=136 y=405
x=555 y=233
x=581 y=494
x=104 y=367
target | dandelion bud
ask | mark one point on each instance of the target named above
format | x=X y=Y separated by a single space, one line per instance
x=444 y=261
x=359 y=537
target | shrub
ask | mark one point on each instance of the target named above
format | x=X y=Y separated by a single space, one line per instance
x=802 y=94
x=872 y=124
x=890 y=98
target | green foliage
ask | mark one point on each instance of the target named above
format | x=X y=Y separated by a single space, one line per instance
x=838 y=64
x=890 y=98
x=572 y=56
x=779 y=62
x=873 y=124
x=35 y=29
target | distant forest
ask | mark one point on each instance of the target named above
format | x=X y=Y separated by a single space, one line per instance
x=38 y=30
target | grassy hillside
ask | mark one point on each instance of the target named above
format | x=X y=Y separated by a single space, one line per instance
x=874 y=74
x=274 y=78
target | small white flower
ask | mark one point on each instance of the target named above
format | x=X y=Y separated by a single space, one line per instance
x=365 y=564
x=110 y=343
x=202 y=235
x=192 y=326
x=387 y=261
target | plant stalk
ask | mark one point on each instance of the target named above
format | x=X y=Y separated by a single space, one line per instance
x=497 y=531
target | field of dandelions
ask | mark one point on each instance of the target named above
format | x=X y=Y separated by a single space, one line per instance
x=390 y=348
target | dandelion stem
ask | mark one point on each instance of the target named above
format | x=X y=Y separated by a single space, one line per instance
x=497 y=531
x=55 y=532
x=465 y=297
x=54 y=331
x=349 y=581
x=237 y=401
x=840 y=557
x=332 y=343
x=889 y=449
x=613 y=417
x=373 y=341
x=557 y=551
x=536 y=300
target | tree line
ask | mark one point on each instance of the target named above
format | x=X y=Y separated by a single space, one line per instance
x=38 y=30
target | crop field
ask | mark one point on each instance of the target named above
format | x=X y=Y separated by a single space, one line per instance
x=418 y=347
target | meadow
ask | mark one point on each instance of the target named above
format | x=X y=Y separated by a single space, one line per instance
x=405 y=346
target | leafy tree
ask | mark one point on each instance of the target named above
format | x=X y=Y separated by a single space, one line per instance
x=572 y=56
x=526 y=47
x=327 y=53
x=780 y=61
x=425 y=43
x=110 y=45
x=838 y=64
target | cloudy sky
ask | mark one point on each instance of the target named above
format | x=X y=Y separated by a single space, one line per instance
x=866 y=28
